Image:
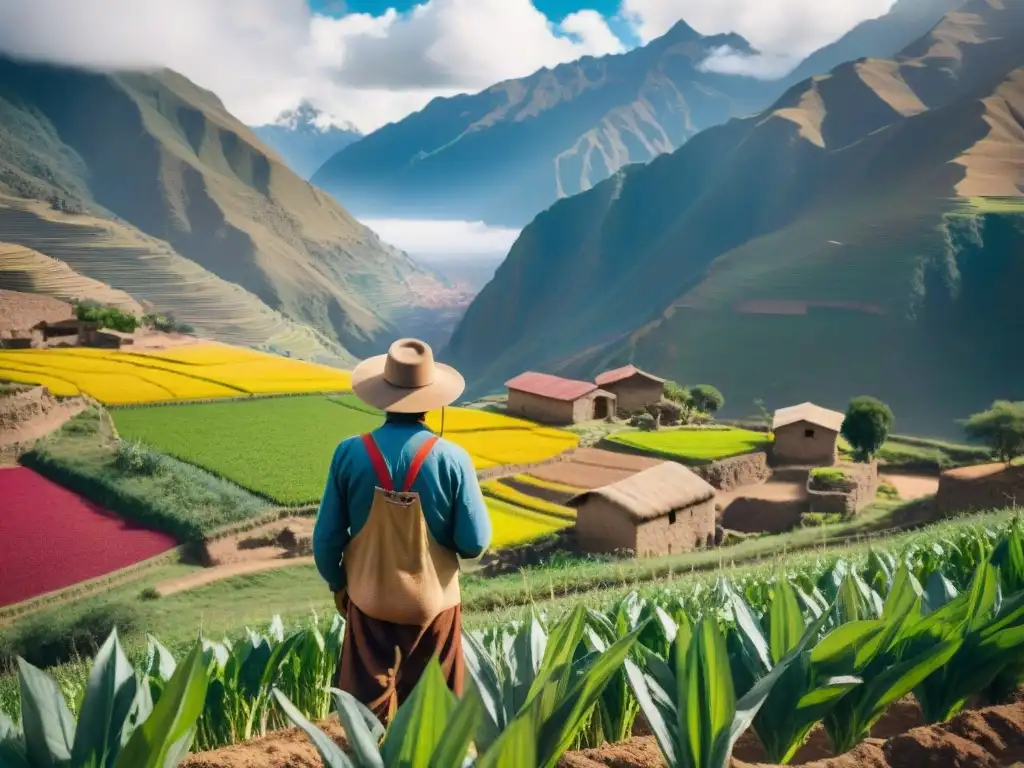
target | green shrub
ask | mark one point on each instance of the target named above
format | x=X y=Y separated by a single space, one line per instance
x=707 y=398
x=135 y=458
x=819 y=519
x=106 y=316
x=888 y=490
x=1001 y=427
x=828 y=476
x=867 y=424
x=60 y=638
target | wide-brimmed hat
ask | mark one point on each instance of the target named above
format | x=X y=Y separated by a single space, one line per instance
x=407 y=380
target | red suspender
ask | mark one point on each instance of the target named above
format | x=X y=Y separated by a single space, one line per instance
x=417 y=462
x=381 y=467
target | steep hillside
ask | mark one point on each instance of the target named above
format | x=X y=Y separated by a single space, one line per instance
x=824 y=248
x=881 y=38
x=302 y=142
x=166 y=157
x=505 y=153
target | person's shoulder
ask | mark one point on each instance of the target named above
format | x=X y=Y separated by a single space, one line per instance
x=346 y=445
x=452 y=453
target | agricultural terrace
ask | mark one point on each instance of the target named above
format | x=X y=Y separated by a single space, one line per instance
x=697 y=445
x=281 y=447
x=195 y=372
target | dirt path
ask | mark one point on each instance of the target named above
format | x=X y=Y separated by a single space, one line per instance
x=989 y=738
x=221 y=572
x=912 y=487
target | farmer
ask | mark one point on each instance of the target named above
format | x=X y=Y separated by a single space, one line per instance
x=400 y=507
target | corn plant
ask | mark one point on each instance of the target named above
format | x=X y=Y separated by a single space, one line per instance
x=555 y=677
x=691 y=705
x=118 y=725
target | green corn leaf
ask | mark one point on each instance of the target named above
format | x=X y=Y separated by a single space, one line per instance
x=161 y=662
x=173 y=717
x=1008 y=556
x=462 y=725
x=747 y=626
x=515 y=748
x=786 y=622
x=483 y=677
x=358 y=722
x=848 y=647
x=568 y=714
x=905 y=593
x=938 y=592
x=705 y=694
x=419 y=725
x=109 y=695
x=657 y=702
x=331 y=753
x=12 y=746
x=47 y=722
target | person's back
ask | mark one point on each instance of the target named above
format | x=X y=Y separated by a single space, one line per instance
x=399 y=507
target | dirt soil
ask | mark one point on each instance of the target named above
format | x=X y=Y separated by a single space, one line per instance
x=912 y=487
x=20 y=311
x=985 y=738
x=30 y=414
x=589 y=468
x=283 y=543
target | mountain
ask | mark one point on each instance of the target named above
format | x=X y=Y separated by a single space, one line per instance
x=303 y=141
x=158 y=166
x=861 y=236
x=879 y=38
x=505 y=153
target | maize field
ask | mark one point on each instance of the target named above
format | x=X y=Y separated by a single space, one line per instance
x=834 y=644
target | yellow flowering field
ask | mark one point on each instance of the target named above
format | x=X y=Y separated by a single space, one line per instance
x=514 y=525
x=200 y=372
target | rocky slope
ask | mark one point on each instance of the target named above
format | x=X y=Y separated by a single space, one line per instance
x=166 y=158
x=507 y=152
x=833 y=245
x=302 y=142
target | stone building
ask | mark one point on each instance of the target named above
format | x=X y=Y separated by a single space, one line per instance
x=660 y=511
x=633 y=389
x=806 y=435
x=554 y=400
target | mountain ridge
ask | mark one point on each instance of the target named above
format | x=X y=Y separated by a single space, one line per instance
x=303 y=144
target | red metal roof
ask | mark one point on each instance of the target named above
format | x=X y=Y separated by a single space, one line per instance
x=554 y=387
x=620 y=374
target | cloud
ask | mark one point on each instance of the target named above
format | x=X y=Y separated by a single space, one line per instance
x=440 y=240
x=265 y=56
x=726 y=60
x=778 y=28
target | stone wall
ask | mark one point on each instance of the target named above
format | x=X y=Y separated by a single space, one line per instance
x=991 y=486
x=857 y=492
x=731 y=473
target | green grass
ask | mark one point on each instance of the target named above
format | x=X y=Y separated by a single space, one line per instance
x=919 y=454
x=277 y=447
x=693 y=444
x=150 y=489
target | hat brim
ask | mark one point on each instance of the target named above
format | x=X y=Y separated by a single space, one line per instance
x=369 y=385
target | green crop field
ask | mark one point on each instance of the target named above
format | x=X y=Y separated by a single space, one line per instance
x=693 y=444
x=278 y=447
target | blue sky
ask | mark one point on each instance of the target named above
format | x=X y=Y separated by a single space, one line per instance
x=556 y=10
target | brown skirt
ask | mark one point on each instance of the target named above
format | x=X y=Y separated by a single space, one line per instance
x=381 y=662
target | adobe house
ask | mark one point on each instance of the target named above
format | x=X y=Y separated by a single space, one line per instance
x=634 y=389
x=660 y=511
x=806 y=434
x=554 y=400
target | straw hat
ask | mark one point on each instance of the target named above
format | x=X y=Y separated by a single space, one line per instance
x=407 y=380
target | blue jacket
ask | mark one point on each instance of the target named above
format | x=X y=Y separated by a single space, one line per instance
x=450 y=495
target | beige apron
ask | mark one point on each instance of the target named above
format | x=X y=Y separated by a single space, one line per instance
x=396 y=571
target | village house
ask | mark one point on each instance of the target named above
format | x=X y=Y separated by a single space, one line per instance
x=806 y=435
x=554 y=400
x=633 y=389
x=660 y=511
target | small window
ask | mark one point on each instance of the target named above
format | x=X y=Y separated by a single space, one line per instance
x=672 y=517
x=808 y=433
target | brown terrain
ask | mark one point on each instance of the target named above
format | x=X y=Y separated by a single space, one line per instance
x=20 y=311
x=981 y=738
x=28 y=414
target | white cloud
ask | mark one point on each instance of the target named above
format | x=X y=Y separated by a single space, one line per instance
x=778 y=28
x=728 y=61
x=264 y=56
x=439 y=240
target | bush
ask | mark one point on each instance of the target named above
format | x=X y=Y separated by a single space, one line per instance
x=166 y=323
x=707 y=398
x=887 y=490
x=646 y=422
x=867 y=424
x=828 y=478
x=57 y=639
x=819 y=519
x=1001 y=427
x=136 y=459
x=107 y=317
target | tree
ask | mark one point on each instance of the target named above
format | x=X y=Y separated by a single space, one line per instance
x=706 y=398
x=867 y=425
x=1001 y=427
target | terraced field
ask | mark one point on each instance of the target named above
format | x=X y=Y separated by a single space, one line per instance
x=696 y=445
x=150 y=271
x=200 y=372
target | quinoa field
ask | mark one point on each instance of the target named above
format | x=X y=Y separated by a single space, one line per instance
x=55 y=538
